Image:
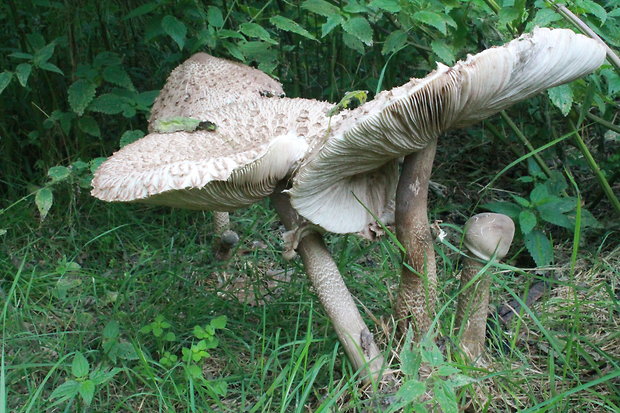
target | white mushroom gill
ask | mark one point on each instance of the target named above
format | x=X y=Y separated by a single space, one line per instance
x=406 y=119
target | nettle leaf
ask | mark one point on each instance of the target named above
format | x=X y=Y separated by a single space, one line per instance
x=410 y=391
x=22 y=71
x=553 y=215
x=80 y=366
x=394 y=42
x=392 y=6
x=130 y=136
x=540 y=195
x=44 y=199
x=88 y=124
x=562 y=98
x=256 y=30
x=215 y=17
x=446 y=397
x=44 y=54
x=539 y=247
x=503 y=207
x=81 y=93
x=527 y=221
x=353 y=43
x=87 y=391
x=360 y=28
x=289 y=25
x=431 y=19
x=108 y=103
x=445 y=52
x=320 y=7
x=5 y=79
x=47 y=66
x=331 y=23
x=611 y=76
x=118 y=76
x=65 y=391
x=593 y=8
x=508 y=15
x=174 y=28
x=58 y=173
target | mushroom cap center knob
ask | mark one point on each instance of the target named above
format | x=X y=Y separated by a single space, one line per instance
x=489 y=234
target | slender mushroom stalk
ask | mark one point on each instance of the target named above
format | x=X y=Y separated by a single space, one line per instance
x=417 y=292
x=227 y=237
x=487 y=237
x=354 y=335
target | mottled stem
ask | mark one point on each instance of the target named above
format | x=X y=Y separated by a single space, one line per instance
x=415 y=304
x=323 y=272
x=227 y=238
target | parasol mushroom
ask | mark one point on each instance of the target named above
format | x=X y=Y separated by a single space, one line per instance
x=355 y=172
x=487 y=237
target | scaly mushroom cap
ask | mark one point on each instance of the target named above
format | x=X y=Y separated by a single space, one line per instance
x=354 y=174
x=256 y=144
x=204 y=83
x=488 y=235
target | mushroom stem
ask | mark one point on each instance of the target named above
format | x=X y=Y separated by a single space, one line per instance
x=227 y=238
x=334 y=295
x=417 y=292
x=487 y=237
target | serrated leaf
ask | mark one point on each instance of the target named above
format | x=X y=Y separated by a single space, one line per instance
x=527 y=221
x=5 y=79
x=22 y=71
x=562 y=98
x=445 y=52
x=611 y=76
x=88 y=124
x=539 y=247
x=394 y=42
x=320 y=7
x=431 y=19
x=392 y=6
x=430 y=352
x=410 y=391
x=503 y=207
x=44 y=199
x=65 y=391
x=111 y=329
x=87 y=391
x=549 y=213
x=80 y=366
x=219 y=322
x=447 y=370
x=108 y=103
x=81 y=94
x=194 y=371
x=174 y=28
x=540 y=195
x=58 y=173
x=331 y=23
x=353 y=43
x=521 y=201
x=215 y=17
x=289 y=25
x=593 y=8
x=44 y=54
x=446 y=397
x=257 y=31
x=49 y=67
x=118 y=76
x=130 y=136
x=509 y=15
x=360 y=28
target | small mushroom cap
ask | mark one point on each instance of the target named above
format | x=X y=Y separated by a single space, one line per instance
x=203 y=83
x=354 y=174
x=256 y=144
x=489 y=234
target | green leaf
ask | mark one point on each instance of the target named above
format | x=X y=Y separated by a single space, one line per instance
x=5 y=79
x=521 y=201
x=80 y=366
x=508 y=15
x=410 y=391
x=174 y=28
x=540 y=195
x=320 y=7
x=503 y=207
x=289 y=25
x=430 y=352
x=215 y=17
x=99 y=376
x=111 y=329
x=431 y=19
x=193 y=371
x=593 y=8
x=353 y=43
x=392 y=6
x=445 y=52
x=331 y=23
x=360 y=28
x=562 y=97
x=219 y=322
x=88 y=124
x=49 y=67
x=108 y=103
x=446 y=397
x=611 y=76
x=394 y=42
x=142 y=10
x=66 y=391
x=447 y=370
x=87 y=391
x=44 y=54
x=256 y=30
x=126 y=351
x=44 y=200
x=527 y=221
x=22 y=71
x=130 y=136
x=81 y=93
x=539 y=247
x=58 y=173
x=551 y=214
x=118 y=76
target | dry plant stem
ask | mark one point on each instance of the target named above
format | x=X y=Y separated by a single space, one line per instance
x=352 y=332
x=415 y=304
x=471 y=314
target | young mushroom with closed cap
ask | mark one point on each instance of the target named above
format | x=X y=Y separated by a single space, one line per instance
x=487 y=237
x=354 y=174
x=257 y=145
